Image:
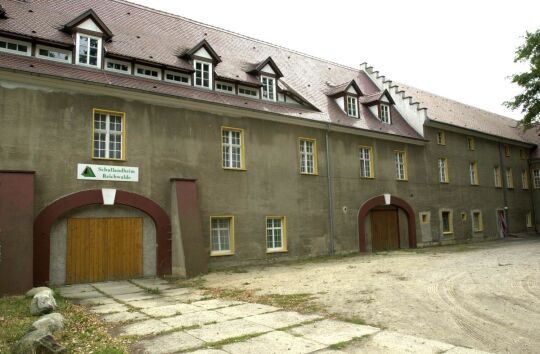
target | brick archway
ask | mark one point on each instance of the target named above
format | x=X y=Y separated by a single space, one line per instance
x=380 y=201
x=46 y=218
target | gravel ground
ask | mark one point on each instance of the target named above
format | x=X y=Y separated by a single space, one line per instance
x=485 y=295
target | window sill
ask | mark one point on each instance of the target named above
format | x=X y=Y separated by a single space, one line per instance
x=446 y=182
x=367 y=177
x=276 y=251
x=220 y=254
x=309 y=174
x=234 y=169
x=106 y=159
x=448 y=233
x=475 y=184
x=478 y=231
x=402 y=180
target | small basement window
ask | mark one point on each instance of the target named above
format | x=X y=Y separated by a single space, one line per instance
x=51 y=53
x=224 y=87
x=118 y=66
x=246 y=91
x=148 y=71
x=14 y=46
x=177 y=78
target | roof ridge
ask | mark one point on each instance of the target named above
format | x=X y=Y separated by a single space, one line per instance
x=147 y=8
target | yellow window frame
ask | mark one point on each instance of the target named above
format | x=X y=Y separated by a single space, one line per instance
x=450 y=221
x=284 y=239
x=497 y=176
x=124 y=129
x=371 y=161
x=506 y=150
x=441 y=138
x=471 y=144
x=405 y=165
x=476 y=177
x=425 y=217
x=315 y=157
x=509 y=178
x=231 y=249
x=480 y=220
x=529 y=220
x=242 y=149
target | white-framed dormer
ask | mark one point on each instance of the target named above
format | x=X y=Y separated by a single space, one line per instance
x=225 y=87
x=88 y=50
x=204 y=59
x=248 y=91
x=352 y=105
x=118 y=66
x=202 y=77
x=52 y=53
x=268 y=75
x=149 y=72
x=384 y=113
x=177 y=77
x=15 y=46
x=268 y=89
x=346 y=97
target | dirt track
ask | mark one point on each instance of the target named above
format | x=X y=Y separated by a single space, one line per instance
x=485 y=296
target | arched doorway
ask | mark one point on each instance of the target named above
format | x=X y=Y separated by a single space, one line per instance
x=47 y=217
x=386 y=207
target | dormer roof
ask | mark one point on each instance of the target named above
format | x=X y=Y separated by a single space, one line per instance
x=266 y=66
x=376 y=97
x=88 y=20
x=202 y=49
x=343 y=88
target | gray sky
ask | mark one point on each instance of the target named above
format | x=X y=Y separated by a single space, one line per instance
x=461 y=49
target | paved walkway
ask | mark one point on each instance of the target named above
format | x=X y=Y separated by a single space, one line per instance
x=166 y=319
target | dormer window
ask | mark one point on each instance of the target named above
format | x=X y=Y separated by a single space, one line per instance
x=148 y=71
x=268 y=88
x=88 y=50
x=385 y=114
x=203 y=77
x=352 y=106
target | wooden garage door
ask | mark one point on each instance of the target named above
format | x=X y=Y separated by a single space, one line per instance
x=103 y=249
x=384 y=230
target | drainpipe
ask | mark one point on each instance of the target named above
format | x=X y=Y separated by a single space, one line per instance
x=531 y=188
x=330 y=195
x=505 y=189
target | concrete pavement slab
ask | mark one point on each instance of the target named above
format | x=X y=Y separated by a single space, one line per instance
x=281 y=319
x=109 y=308
x=276 y=342
x=94 y=301
x=389 y=341
x=248 y=309
x=77 y=288
x=123 y=289
x=195 y=319
x=331 y=332
x=209 y=351
x=135 y=296
x=144 y=328
x=167 y=343
x=462 y=350
x=228 y=329
x=82 y=295
x=124 y=316
x=188 y=298
x=152 y=283
x=216 y=303
x=157 y=302
x=171 y=310
x=177 y=291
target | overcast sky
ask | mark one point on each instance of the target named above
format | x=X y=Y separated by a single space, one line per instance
x=461 y=49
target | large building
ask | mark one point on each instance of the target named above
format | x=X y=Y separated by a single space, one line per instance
x=137 y=143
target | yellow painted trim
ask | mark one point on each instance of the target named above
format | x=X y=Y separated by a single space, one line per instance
x=442 y=141
x=477 y=177
x=242 y=149
x=509 y=178
x=315 y=157
x=405 y=165
x=230 y=252
x=497 y=176
x=506 y=150
x=524 y=179
x=446 y=176
x=124 y=129
x=450 y=221
x=371 y=161
x=284 y=241
x=427 y=214
x=529 y=219
x=471 y=143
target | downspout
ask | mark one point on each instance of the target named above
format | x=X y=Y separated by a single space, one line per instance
x=330 y=195
x=505 y=189
x=531 y=188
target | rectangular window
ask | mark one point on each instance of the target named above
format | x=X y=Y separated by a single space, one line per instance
x=366 y=162
x=224 y=87
x=425 y=217
x=385 y=114
x=536 y=178
x=529 y=219
x=507 y=150
x=88 y=50
x=477 y=222
x=524 y=179
x=352 y=106
x=473 y=173
x=276 y=234
x=470 y=143
x=232 y=148
x=51 y=53
x=148 y=72
x=497 y=176
x=441 y=138
x=401 y=165
x=447 y=221
x=203 y=74
x=268 y=88
x=221 y=235
x=308 y=156
x=14 y=46
x=246 y=91
x=443 y=170
x=177 y=78
x=118 y=66
x=509 y=178
x=109 y=135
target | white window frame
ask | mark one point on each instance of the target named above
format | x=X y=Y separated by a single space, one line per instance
x=250 y=89
x=217 y=231
x=230 y=149
x=509 y=174
x=352 y=106
x=385 y=113
x=268 y=88
x=222 y=83
x=121 y=62
x=271 y=230
x=108 y=132
x=146 y=67
x=210 y=74
x=99 y=50
x=473 y=173
x=308 y=159
x=536 y=178
x=443 y=169
x=497 y=176
x=176 y=73
x=366 y=162
x=53 y=49
x=524 y=179
x=17 y=42
x=400 y=158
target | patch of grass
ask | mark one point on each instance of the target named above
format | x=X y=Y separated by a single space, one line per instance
x=344 y=344
x=15 y=319
x=197 y=282
x=221 y=343
x=350 y=319
x=154 y=291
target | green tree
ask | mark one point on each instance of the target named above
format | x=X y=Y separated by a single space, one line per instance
x=529 y=99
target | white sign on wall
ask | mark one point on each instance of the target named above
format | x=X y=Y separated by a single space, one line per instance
x=107 y=173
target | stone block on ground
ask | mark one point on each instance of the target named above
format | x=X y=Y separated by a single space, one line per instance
x=208 y=351
x=124 y=316
x=249 y=309
x=171 y=310
x=75 y=289
x=195 y=319
x=331 y=332
x=135 y=296
x=463 y=350
x=281 y=319
x=226 y=330
x=216 y=303
x=109 y=308
x=177 y=291
x=38 y=341
x=49 y=323
x=156 y=302
x=144 y=328
x=276 y=342
x=34 y=291
x=389 y=341
x=167 y=343
x=42 y=303
x=96 y=301
x=79 y=296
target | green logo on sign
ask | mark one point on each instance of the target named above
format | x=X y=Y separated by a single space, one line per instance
x=88 y=172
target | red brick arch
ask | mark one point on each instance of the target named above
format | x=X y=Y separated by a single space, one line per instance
x=379 y=201
x=46 y=218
